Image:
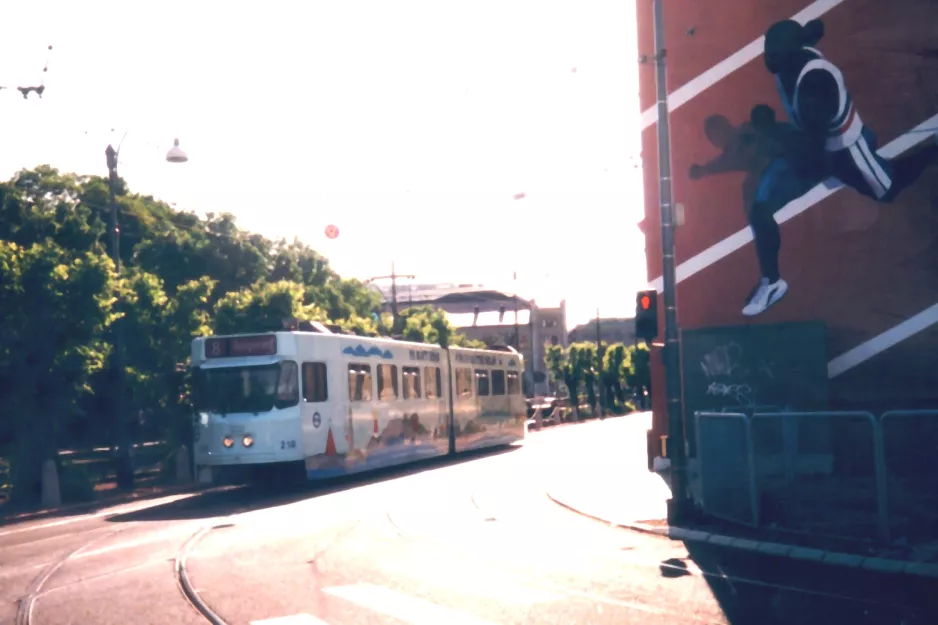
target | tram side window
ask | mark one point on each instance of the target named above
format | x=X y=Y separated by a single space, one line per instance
x=464 y=382
x=482 y=382
x=359 y=382
x=411 y=380
x=498 y=382
x=434 y=382
x=288 y=391
x=514 y=383
x=387 y=382
x=315 y=388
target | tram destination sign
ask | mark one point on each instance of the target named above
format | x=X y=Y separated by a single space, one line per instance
x=235 y=346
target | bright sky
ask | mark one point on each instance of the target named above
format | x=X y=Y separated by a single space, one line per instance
x=410 y=125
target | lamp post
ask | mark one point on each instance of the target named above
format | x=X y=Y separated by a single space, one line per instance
x=675 y=410
x=393 y=277
x=125 y=467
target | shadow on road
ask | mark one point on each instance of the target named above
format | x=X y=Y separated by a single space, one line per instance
x=756 y=589
x=247 y=498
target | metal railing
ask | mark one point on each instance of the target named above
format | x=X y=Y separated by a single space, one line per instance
x=727 y=476
x=844 y=474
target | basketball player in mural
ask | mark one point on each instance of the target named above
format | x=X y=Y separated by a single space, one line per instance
x=780 y=167
x=815 y=96
x=825 y=139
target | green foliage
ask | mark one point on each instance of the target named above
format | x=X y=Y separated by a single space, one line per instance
x=182 y=276
x=56 y=307
x=264 y=308
x=425 y=324
x=624 y=370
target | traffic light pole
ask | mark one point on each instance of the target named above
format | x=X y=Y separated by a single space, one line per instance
x=675 y=409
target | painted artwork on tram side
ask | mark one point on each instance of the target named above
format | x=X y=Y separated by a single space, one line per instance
x=821 y=140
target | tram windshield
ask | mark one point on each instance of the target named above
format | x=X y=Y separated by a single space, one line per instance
x=254 y=389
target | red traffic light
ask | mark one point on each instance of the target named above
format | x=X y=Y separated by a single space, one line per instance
x=645 y=302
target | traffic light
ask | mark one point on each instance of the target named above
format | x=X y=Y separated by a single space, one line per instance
x=646 y=315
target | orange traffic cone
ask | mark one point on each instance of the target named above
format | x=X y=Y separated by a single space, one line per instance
x=330 y=444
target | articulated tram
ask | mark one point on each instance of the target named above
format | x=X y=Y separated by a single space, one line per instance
x=335 y=404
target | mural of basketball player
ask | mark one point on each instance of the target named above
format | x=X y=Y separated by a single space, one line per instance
x=815 y=96
x=779 y=167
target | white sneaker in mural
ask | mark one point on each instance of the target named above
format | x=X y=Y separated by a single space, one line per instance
x=764 y=296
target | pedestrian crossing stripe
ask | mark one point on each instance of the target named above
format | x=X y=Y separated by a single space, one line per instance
x=402 y=607
x=296 y=619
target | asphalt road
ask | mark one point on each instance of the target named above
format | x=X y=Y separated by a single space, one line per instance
x=473 y=542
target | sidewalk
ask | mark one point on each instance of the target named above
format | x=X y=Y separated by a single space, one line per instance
x=607 y=479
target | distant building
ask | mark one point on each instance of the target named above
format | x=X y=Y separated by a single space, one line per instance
x=612 y=330
x=495 y=317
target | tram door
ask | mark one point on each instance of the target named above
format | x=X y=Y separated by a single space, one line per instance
x=317 y=407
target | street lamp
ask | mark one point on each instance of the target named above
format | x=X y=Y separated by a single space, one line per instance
x=175 y=154
x=125 y=468
x=675 y=409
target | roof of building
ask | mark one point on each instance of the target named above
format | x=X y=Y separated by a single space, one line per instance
x=450 y=294
x=488 y=319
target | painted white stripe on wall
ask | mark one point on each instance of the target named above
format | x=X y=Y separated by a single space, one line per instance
x=402 y=607
x=878 y=344
x=685 y=93
x=727 y=246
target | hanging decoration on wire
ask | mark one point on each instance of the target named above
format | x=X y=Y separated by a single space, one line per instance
x=332 y=231
x=42 y=83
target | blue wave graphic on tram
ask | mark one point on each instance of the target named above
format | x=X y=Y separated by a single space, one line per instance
x=362 y=352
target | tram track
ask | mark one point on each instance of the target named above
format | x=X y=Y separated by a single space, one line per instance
x=24 y=613
x=38 y=587
x=183 y=577
x=184 y=581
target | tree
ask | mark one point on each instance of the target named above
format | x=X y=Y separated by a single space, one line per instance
x=57 y=308
x=565 y=365
x=584 y=359
x=615 y=366
x=426 y=324
x=264 y=308
x=639 y=375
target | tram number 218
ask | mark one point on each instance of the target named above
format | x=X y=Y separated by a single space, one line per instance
x=287 y=444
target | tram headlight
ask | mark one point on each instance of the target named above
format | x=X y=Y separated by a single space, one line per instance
x=228 y=442
x=247 y=440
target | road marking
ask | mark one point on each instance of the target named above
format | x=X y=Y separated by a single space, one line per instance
x=149 y=538
x=296 y=619
x=402 y=607
x=690 y=90
x=727 y=246
x=472 y=578
x=619 y=603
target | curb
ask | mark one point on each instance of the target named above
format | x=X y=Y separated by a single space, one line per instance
x=781 y=550
x=78 y=508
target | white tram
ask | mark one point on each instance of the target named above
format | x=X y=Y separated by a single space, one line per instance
x=342 y=404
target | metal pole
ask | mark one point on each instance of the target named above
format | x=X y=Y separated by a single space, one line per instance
x=533 y=345
x=517 y=331
x=675 y=409
x=451 y=419
x=599 y=366
x=393 y=293
x=125 y=469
